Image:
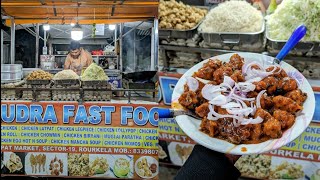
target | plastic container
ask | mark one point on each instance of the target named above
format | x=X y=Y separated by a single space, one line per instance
x=11 y=68
x=8 y=76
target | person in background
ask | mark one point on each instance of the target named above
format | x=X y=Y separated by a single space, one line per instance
x=205 y=164
x=78 y=58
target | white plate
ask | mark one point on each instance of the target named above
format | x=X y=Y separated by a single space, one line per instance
x=150 y=160
x=191 y=126
x=174 y=156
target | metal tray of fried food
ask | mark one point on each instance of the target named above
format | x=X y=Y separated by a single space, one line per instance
x=255 y=40
x=67 y=81
x=95 y=83
x=39 y=82
x=181 y=34
x=274 y=46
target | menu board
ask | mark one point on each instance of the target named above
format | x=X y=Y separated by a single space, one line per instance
x=299 y=159
x=174 y=145
x=71 y=140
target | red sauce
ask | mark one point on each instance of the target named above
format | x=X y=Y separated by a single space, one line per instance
x=244 y=149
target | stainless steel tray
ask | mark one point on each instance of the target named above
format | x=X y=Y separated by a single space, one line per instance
x=243 y=41
x=274 y=46
x=181 y=34
x=96 y=83
x=67 y=81
x=38 y=82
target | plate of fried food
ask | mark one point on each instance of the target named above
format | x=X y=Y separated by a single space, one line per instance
x=245 y=104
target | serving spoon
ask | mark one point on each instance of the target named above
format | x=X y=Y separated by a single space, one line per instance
x=296 y=36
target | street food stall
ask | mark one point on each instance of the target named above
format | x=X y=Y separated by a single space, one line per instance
x=103 y=123
x=57 y=123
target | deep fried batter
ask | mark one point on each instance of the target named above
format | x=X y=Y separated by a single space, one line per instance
x=278 y=105
x=297 y=95
x=272 y=128
x=189 y=100
x=287 y=84
x=286 y=104
x=219 y=74
x=237 y=76
x=203 y=109
x=286 y=119
x=266 y=102
x=236 y=62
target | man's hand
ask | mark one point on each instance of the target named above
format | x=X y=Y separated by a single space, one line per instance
x=232 y=158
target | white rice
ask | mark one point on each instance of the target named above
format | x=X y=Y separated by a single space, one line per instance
x=232 y=16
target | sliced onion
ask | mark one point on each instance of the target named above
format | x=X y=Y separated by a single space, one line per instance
x=254 y=108
x=225 y=85
x=230 y=105
x=211 y=117
x=246 y=66
x=256 y=120
x=221 y=115
x=192 y=83
x=236 y=122
x=210 y=91
x=228 y=80
x=259 y=98
x=245 y=111
x=256 y=79
x=204 y=81
x=274 y=68
x=262 y=74
x=219 y=100
x=242 y=98
x=246 y=86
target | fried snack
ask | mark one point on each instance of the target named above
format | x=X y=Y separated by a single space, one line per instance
x=78 y=164
x=183 y=152
x=243 y=102
x=176 y=15
x=14 y=163
x=99 y=166
x=144 y=169
x=56 y=166
x=39 y=75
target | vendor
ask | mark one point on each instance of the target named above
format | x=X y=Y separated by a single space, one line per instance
x=78 y=58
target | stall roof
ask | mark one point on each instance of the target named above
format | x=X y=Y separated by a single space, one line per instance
x=85 y=11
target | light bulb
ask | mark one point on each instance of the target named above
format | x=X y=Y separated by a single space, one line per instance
x=46 y=27
x=112 y=27
x=77 y=35
x=76 y=32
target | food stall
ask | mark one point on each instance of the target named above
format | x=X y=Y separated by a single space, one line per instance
x=125 y=143
x=55 y=123
x=180 y=49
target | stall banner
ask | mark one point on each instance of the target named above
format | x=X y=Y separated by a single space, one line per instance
x=71 y=140
x=300 y=159
x=174 y=144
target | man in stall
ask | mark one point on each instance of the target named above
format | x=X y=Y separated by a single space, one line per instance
x=78 y=58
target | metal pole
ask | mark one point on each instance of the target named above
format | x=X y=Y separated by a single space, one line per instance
x=45 y=39
x=37 y=45
x=115 y=44
x=2 y=60
x=134 y=51
x=154 y=45
x=120 y=45
x=13 y=40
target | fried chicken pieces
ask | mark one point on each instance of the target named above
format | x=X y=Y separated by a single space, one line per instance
x=279 y=104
